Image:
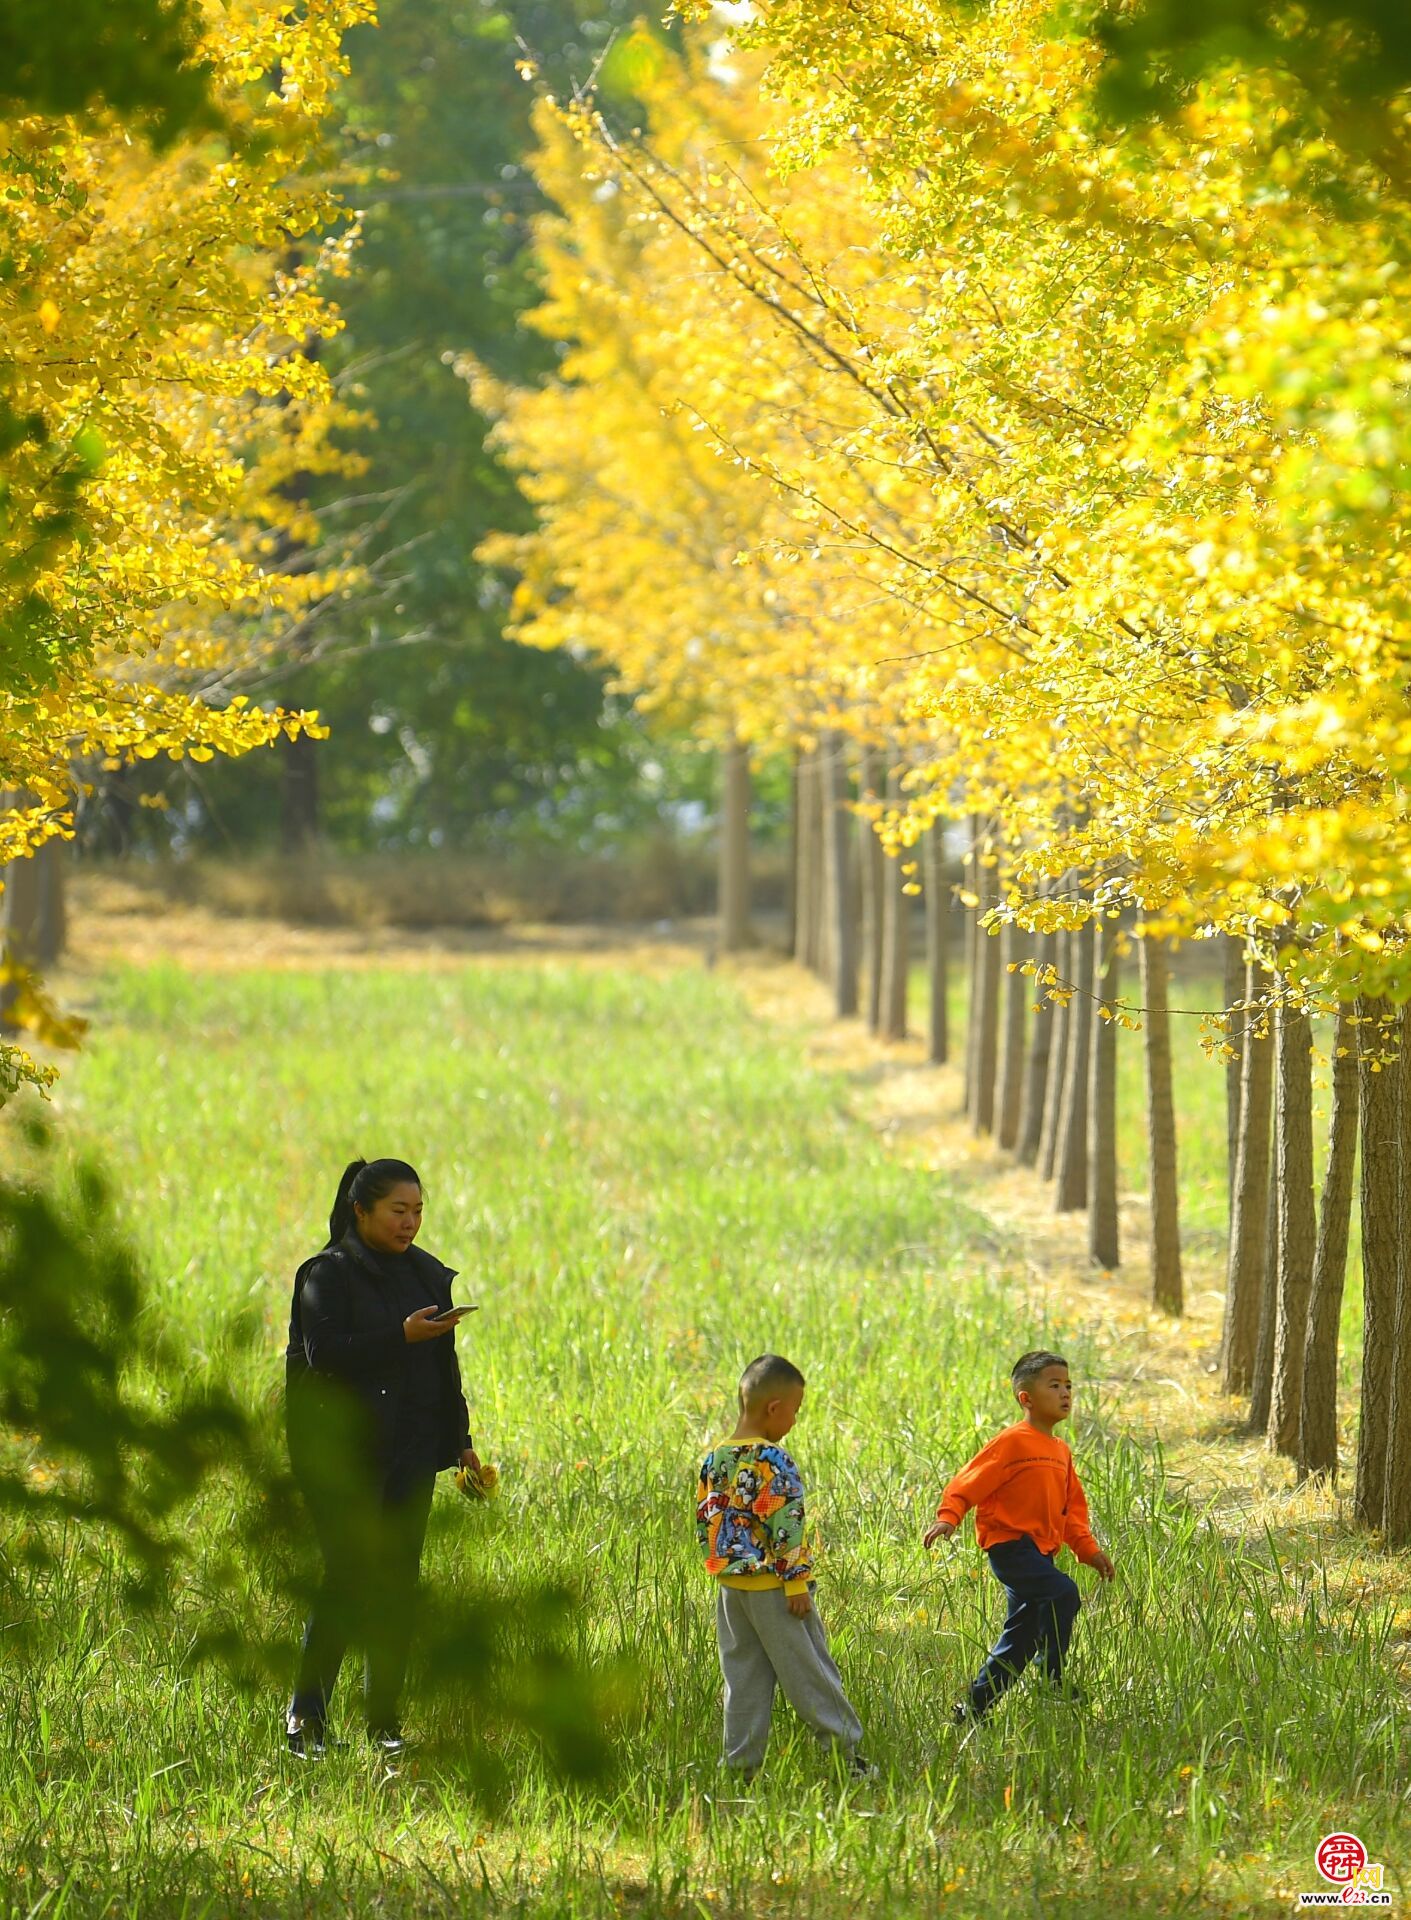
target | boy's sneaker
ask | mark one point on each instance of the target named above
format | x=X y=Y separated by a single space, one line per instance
x=966 y=1714
x=861 y=1768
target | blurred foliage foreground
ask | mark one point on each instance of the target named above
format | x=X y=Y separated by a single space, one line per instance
x=88 y=1462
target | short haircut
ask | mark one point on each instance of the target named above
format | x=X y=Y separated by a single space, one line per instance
x=1029 y=1366
x=768 y=1377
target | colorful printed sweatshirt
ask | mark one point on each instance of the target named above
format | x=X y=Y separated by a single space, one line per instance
x=1024 y=1481
x=750 y=1517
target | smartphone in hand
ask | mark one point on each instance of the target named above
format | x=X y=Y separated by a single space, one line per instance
x=450 y=1315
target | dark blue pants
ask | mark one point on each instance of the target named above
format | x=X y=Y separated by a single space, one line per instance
x=1043 y=1605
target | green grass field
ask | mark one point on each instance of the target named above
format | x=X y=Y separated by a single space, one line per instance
x=643 y=1188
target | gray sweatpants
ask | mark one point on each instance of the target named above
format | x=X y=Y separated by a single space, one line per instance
x=763 y=1645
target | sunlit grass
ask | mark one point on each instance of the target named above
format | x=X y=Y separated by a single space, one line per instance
x=643 y=1189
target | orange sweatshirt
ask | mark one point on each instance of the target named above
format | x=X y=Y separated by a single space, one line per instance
x=1024 y=1481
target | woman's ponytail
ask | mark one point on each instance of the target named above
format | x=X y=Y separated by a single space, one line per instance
x=342 y=1217
x=363 y=1185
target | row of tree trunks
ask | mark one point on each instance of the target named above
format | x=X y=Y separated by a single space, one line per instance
x=1043 y=1084
x=851 y=916
x=1288 y=1252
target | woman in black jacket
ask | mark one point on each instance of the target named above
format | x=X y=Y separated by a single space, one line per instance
x=374 y=1410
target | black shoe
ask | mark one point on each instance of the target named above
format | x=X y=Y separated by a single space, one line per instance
x=305 y=1737
x=1075 y=1696
x=861 y=1768
x=966 y=1714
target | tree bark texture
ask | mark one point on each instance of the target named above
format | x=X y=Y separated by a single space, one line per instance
x=1380 y=1097
x=299 y=794
x=1037 y=1064
x=970 y=874
x=938 y=917
x=1015 y=990
x=896 y=929
x=1104 y=1241
x=1250 y=1217
x=872 y=861
x=734 y=884
x=1234 y=993
x=1261 y=1386
x=1167 y=1287
x=1060 y=1050
x=1317 y=1451
x=838 y=838
x=1298 y=1220
x=1396 y=1498
x=1071 y=1153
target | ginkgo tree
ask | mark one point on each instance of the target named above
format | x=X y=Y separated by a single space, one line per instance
x=154 y=319
x=1090 y=437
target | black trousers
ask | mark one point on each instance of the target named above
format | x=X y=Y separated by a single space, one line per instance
x=367 y=1598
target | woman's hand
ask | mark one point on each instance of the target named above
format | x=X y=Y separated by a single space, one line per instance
x=421 y=1325
x=471 y=1459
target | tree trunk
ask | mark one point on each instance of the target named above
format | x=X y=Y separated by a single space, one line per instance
x=1015 y=988
x=986 y=1015
x=1104 y=1245
x=871 y=861
x=1249 y=1222
x=1396 y=1501
x=938 y=913
x=52 y=930
x=970 y=876
x=19 y=927
x=1071 y=1153
x=896 y=926
x=839 y=835
x=1059 y=1052
x=734 y=887
x=1036 y=1069
x=1167 y=1289
x=1234 y=992
x=1298 y=1221
x=826 y=962
x=805 y=910
x=791 y=867
x=1261 y=1386
x=1318 y=1419
x=1379 y=1089
x=299 y=795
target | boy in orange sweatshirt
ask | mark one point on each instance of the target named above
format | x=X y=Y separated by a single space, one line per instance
x=1028 y=1503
